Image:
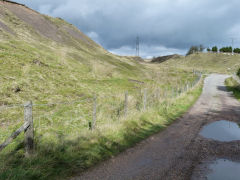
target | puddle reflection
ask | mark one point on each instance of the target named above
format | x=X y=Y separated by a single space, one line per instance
x=222 y=131
x=224 y=170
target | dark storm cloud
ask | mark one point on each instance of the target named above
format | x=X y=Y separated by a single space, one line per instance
x=173 y=25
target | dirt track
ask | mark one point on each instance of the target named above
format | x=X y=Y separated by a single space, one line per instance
x=177 y=151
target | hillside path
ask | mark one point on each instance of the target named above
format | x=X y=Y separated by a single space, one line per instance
x=175 y=152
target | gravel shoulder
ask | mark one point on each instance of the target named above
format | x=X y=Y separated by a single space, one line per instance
x=177 y=151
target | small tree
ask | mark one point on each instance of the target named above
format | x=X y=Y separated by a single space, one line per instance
x=192 y=50
x=226 y=49
x=238 y=73
x=236 y=50
x=215 y=49
x=201 y=48
x=208 y=50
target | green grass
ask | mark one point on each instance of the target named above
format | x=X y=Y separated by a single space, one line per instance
x=233 y=86
x=208 y=62
x=56 y=79
x=59 y=156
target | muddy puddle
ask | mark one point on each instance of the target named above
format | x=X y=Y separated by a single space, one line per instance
x=224 y=131
x=224 y=170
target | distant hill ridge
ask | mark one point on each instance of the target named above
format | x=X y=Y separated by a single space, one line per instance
x=162 y=59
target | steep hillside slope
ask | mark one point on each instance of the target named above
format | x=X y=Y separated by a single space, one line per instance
x=43 y=58
x=37 y=49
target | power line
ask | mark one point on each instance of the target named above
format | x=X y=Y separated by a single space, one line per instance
x=233 y=42
x=137 y=46
x=232 y=45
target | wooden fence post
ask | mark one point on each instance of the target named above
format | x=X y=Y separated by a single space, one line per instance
x=145 y=100
x=178 y=91
x=94 y=115
x=157 y=95
x=165 y=93
x=29 y=132
x=126 y=104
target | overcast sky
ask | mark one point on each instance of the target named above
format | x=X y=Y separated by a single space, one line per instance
x=164 y=26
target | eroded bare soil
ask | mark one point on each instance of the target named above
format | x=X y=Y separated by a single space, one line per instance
x=176 y=152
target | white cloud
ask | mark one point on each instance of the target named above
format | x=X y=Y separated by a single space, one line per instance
x=175 y=24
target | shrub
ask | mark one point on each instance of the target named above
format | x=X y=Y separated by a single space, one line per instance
x=192 y=50
x=238 y=72
x=215 y=49
x=195 y=49
x=226 y=49
x=237 y=50
x=201 y=48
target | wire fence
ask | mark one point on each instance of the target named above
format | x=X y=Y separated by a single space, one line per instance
x=89 y=114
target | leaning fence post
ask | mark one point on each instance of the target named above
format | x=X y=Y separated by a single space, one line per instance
x=94 y=115
x=126 y=104
x=178 y=91
x=29 y=132
x=145 y=99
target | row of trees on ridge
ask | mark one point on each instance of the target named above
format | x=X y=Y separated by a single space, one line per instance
x=227 y=49
x=197 y=49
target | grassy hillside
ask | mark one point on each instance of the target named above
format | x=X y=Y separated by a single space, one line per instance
x=52 y=63
x=208 y=62
x=37 y=49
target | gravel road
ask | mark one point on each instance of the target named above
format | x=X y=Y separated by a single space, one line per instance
x=176 y=152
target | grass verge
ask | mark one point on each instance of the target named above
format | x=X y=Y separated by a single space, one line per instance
x=232 y=85
x=62 y=158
